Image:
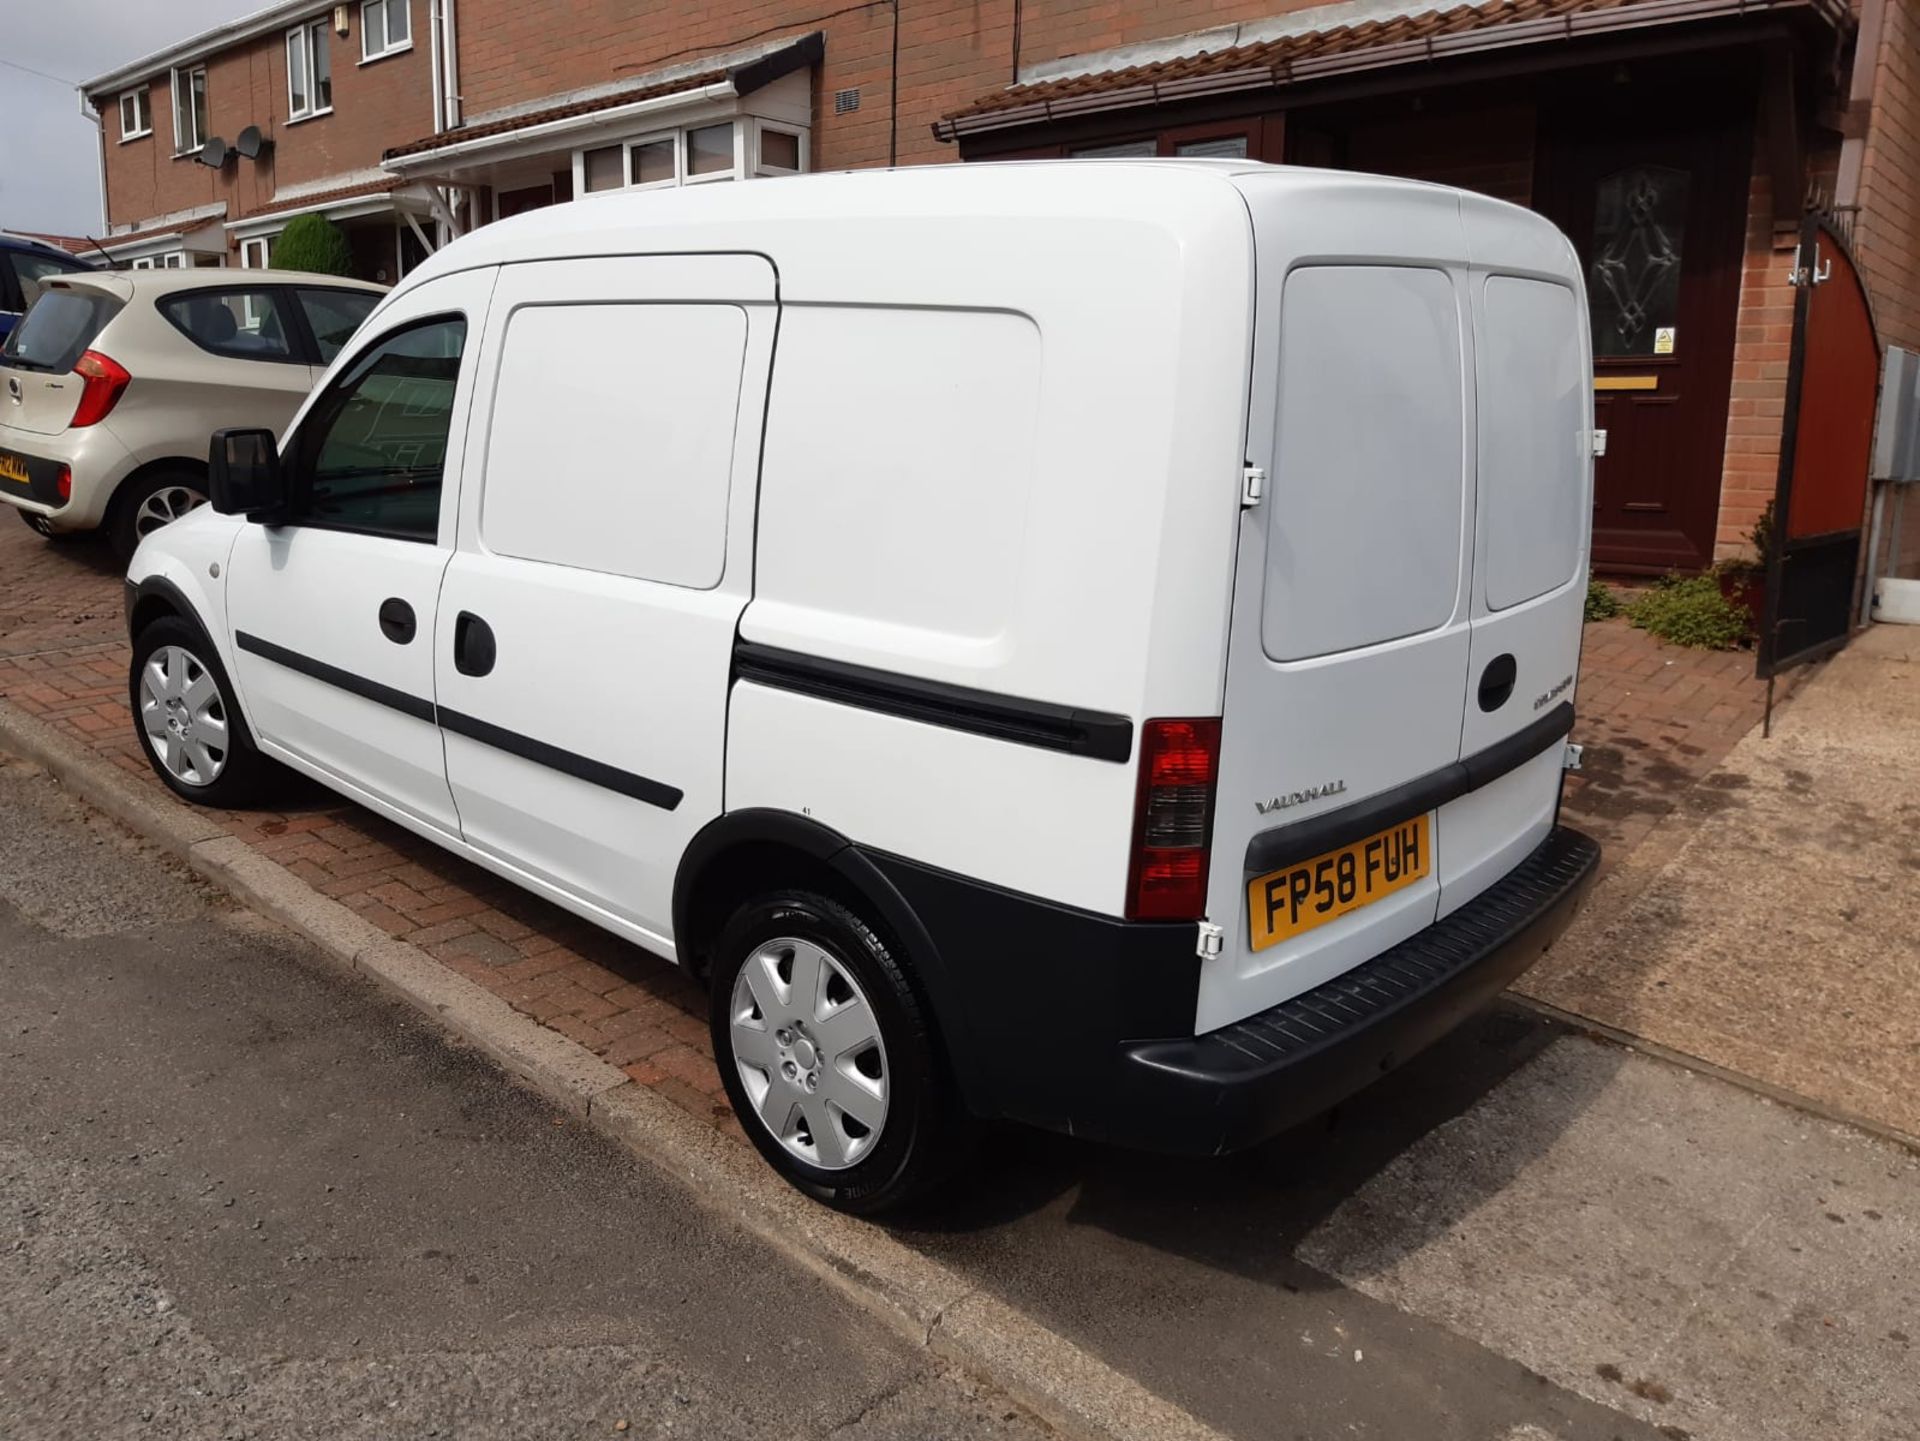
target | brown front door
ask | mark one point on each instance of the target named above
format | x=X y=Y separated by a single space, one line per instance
x=1653 y=194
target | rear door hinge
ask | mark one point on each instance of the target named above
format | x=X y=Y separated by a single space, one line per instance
x=1253 y=485
x=1571 y=761
x=1213 y=941
x=1599 y=443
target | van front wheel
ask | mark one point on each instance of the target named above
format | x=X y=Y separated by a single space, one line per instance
x=827 y=1054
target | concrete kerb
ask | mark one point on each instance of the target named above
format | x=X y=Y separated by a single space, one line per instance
x=919 y=1298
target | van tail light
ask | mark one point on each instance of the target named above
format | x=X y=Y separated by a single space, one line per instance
x=104 y=379
x=1173 y=819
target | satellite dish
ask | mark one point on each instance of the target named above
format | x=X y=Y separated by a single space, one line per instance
x=214 y=153
x=250 y=142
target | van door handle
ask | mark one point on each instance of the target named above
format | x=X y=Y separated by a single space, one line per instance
x=396 y=620
x=473 y=648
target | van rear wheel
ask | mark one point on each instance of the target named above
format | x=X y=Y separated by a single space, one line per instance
x=828 y=1054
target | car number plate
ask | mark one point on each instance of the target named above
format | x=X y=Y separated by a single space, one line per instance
x=14 y=468
x=1293 y=900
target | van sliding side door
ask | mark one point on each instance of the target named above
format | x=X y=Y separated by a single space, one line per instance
x=585 y=638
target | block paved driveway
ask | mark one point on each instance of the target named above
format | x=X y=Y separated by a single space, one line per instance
x=1654 y=719
x=1522 y=1236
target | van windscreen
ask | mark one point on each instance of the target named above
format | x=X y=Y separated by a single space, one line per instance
x=58 y=329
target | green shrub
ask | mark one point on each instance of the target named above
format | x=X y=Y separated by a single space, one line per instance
x=313 y=242
x=1602 y=603
x=1690 y=611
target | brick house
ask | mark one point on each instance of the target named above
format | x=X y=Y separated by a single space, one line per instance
x=1676 y=141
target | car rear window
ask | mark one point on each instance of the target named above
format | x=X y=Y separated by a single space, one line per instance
x=244 y=324
x=58 y=329
x=334 y=315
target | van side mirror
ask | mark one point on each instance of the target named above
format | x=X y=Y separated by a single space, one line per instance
x=244 y=475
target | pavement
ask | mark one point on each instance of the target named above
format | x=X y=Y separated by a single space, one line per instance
x=1773 y=929
x=244 y=1196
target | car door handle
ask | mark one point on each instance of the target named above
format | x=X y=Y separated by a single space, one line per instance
x=473 y=650
x=396 y=620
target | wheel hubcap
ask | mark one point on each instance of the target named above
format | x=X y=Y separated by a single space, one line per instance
x=165 y=506
x=184 y=716
x=808 y=1051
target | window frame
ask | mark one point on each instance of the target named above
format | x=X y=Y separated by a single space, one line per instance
x=736 y=171
x=748 y=163
x=197 y=113
x=142 y=97
x=265 y=242
x=313 y=36
x=294 y=452
x=299 y=344
x=759 y=169
x=386 y=9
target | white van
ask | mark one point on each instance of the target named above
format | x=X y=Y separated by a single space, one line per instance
x=1087 y=643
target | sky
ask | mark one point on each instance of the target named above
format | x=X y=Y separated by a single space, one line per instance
x=49 y=150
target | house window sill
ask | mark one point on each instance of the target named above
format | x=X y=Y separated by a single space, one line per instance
x=386 y=54
x=310 y=115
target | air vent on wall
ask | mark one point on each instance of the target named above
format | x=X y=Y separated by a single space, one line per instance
x=845 y=100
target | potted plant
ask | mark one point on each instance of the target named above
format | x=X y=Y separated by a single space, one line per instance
x=1744 y=581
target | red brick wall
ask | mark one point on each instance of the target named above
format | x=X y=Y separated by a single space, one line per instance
x=1887 y=232
x=1762 y=342
x=374 y=106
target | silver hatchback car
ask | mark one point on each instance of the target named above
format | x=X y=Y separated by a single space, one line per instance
x=112 y=384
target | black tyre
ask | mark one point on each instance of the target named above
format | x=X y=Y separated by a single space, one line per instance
x=188 y=721
x=829 y=1055
x=157 y=498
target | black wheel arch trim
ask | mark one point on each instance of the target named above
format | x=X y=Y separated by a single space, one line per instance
x=818 y=842
x=160 y=588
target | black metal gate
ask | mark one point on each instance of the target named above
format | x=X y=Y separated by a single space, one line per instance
x=1819 y=508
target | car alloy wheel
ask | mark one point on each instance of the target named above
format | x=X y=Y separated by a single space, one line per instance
x=184 y=716
x=807 y=1046
x=163 y=507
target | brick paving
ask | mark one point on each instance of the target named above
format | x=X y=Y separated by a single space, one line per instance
x=1654 y=718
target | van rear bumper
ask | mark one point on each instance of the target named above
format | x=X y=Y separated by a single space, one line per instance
x=1245 y=1082
x=1040 y=1006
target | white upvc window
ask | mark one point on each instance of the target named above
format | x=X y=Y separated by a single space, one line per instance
x=189 y=109
x=136 y=114
x=145 y=262
x=386 y=28
x=309 y=71
x=695 y=155
x=778 y=149
x=256 y=252
x=174 y=260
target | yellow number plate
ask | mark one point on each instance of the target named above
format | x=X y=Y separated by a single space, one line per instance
x=1290 y=902
x=13 y=468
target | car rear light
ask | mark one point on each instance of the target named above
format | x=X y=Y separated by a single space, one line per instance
x=63 y=483
x=1173 y=819
x=104 y=379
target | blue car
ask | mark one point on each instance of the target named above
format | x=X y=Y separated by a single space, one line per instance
x=22 y=263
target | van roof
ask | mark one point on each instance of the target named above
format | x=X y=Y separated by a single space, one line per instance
x=795 y=219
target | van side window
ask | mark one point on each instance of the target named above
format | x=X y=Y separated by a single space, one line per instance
x=611 y=443
x=370 y=453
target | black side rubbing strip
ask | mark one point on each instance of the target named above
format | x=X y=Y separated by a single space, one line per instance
x=415 y=706
x=1027 y=722
x=1304 y=839
x=585 y=768
x=599 y=773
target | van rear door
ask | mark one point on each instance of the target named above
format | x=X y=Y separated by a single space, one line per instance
x=1351 y=632
x=1533 y=389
